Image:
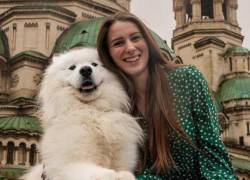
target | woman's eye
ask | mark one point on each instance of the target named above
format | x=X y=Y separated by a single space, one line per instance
x=136 y=38
x=117 y=43
x=72 y=67
x=94 y=64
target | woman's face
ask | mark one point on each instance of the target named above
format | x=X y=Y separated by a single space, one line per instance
x=128 y=49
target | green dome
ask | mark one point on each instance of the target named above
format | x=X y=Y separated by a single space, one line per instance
x=235 y=88
x=20 y=124
x=4 y=46
x=85 y=33
x=236 y=50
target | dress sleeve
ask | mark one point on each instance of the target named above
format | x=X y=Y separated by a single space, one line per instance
x=213 y=159
x=147 y=175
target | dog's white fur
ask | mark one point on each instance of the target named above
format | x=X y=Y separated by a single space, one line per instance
x=87 y=136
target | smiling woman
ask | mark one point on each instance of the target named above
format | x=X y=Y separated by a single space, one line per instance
x=172 y=103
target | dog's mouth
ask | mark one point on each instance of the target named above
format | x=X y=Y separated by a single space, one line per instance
x=88 y=86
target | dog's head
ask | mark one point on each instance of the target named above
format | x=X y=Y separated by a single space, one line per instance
x=79 y=75
x=81 y=70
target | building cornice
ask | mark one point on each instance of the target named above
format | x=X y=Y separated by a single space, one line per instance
x=38 y=9
x=25 y=56
x=89 y=3
x=209 y=40
x=18 y=133
x=207 y=32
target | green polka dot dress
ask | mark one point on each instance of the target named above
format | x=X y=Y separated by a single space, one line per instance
x=196 y=111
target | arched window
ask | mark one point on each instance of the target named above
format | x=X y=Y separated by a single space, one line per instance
x=189 y=12
x=207 y=9
x=224 y=9
x=248 y=128
x=32 y=155
x=22 y=154
x=10 y=153
x=230 y=64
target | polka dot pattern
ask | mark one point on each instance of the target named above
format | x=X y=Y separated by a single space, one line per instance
x=198 y=117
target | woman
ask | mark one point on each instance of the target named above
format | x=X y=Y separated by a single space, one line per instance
x=177 y=113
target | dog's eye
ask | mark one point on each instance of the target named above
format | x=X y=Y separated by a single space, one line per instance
x=94 y=64
x=72 y=67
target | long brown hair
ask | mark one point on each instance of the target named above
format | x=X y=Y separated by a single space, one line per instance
x=160 y=115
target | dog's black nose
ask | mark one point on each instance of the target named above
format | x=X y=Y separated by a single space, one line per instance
x=85 y=71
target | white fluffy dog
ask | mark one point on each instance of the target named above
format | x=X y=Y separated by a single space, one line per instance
x=88 y=133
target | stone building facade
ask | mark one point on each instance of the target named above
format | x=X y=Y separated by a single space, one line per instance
x=208 y=35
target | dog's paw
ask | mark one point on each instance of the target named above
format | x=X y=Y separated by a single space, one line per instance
x=104 y=174
x=125 y=175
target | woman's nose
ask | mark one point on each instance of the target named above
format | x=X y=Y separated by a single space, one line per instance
x=130 y=46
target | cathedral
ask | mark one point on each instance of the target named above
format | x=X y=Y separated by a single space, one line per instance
x=207 y=34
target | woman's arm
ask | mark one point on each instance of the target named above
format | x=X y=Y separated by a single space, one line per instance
x=213 y=159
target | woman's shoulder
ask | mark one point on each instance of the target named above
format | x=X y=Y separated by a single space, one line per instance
x=186 y=79
x=184 y=73
x=181 y=70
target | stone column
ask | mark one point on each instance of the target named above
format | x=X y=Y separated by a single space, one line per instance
x=4 y=160
x=37 y=157
x=179 y=17
x=196 y=10
x=232 y=7
x=27 y=163
x=16 y=156
x=180 y=13
x=218 y=13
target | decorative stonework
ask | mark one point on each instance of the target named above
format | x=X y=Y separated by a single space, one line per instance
x=37 y=78
x=184 y=46
x=198 y=55
x=30 y=24
x=88 y=15
x=60 y=28
x=14 y=80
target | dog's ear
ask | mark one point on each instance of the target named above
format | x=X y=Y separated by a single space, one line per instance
x=55 y=57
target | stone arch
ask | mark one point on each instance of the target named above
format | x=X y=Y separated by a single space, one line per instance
x=178 y=60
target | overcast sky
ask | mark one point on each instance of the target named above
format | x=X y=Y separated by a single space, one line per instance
x=159 y=16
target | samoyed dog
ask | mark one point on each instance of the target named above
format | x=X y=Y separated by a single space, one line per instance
x=88 y=132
